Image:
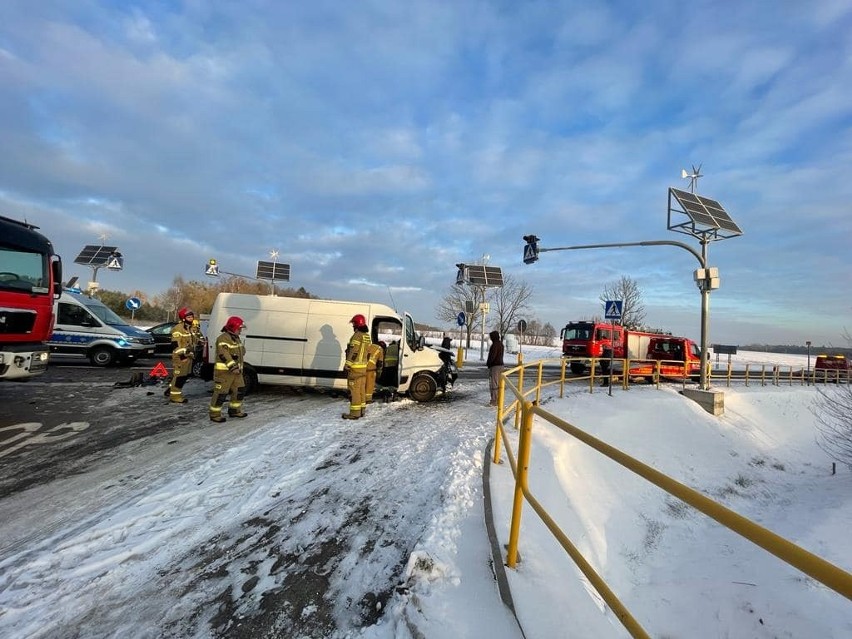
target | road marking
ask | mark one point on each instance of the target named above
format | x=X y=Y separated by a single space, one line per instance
x=30 y=435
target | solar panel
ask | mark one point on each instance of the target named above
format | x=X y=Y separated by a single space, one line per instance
x=705 y=212
x=273 y=271
x=95 y=255
x=478 y=275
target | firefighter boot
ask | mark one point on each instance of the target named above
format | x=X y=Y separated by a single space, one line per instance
x=219 y=419
x=351 y=415
x=236 y=412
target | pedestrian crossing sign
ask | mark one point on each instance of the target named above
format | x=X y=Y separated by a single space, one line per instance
x=212 y=268
x=612 y=309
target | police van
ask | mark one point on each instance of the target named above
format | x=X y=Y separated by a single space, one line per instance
x=302 y=342
x=86 y=328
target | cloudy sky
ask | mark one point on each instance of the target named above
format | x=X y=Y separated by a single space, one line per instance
x=375 y=145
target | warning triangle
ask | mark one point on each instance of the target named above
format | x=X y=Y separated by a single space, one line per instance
x=159 y=370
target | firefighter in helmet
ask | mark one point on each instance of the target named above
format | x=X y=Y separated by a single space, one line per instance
x=184 y=342
x=375 y=362
x=356 y=367
x=228 y=372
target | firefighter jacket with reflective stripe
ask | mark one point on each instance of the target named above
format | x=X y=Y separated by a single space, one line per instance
x=392 y=355
x=357 y=351
x=184 y=339
x=229 y=352
x=375 y=357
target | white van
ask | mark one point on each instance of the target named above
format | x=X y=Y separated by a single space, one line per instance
x=86 y=328
x=302 y=342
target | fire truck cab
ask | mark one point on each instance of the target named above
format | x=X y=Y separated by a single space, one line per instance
x=30 y=280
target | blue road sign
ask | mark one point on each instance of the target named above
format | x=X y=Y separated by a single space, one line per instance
x=612 y=309
x=531 y=253
x=133 y=304
x=461 y=319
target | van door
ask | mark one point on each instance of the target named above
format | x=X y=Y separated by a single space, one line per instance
x=389 y=331
x=408 y=345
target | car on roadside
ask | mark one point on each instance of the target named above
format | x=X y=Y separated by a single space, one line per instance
x=162 y=334
x=86 y=328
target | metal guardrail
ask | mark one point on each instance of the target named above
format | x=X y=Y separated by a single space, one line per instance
x=524 y=406
x=748 y=374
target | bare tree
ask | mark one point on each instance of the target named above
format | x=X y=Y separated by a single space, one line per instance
x=454 y=302
x=510 y=302
x=627 y=290
x=833 y=411
x=548 y=334
x=507 y=302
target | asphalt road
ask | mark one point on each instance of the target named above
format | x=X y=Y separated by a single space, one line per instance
x=70 y=415
x=73 y=421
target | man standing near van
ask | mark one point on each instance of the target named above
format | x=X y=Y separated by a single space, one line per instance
x=356 y=367
x=495 y=365
x=228 y=372
x=184 y=342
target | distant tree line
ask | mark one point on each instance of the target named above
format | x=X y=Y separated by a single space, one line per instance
x=199 y=296
x=796 y=349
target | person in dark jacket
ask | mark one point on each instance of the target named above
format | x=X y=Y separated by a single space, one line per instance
x=494 y=364
x=447 y=343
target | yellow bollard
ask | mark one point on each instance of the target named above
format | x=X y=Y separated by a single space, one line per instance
x=460 y=358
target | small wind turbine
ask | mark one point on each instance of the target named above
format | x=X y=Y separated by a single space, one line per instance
x=693 y=177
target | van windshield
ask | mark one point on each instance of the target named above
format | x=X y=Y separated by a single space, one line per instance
x=103 y=313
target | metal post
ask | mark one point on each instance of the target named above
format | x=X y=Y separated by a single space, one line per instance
x=808 y=344
x=705 y=320
x=705 y=287
x=482 y=337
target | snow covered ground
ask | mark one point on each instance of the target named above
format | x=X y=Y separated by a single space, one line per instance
x=115 y=552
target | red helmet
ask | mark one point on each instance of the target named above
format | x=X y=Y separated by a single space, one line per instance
x=182 y=313
x=234 y=324
x=358 y=321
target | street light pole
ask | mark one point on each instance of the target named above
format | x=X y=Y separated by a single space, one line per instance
x=704 y=286
x=808 y=344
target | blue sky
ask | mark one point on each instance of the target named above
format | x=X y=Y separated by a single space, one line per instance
x=377 y=144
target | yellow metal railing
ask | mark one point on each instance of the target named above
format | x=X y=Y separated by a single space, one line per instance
x=525 y=407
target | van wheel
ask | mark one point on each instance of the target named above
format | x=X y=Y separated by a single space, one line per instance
x=423 y=387
x=250 y=378
x=102 y=356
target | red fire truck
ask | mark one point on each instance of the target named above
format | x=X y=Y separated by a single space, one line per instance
x=677 y=356
x=832 y=367
x=30 y=281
